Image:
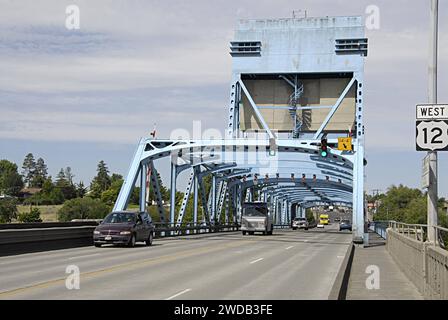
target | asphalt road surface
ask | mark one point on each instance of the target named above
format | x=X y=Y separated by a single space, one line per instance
x=288 y=265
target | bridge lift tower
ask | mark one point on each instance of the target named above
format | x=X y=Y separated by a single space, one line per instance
x=296 y=84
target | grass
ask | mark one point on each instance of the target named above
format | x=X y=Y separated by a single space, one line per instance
x=47 y=213
x=50 y=213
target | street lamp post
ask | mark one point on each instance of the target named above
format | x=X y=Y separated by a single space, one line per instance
x=432 y=189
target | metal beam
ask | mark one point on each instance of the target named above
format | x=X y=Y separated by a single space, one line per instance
x=257 y=111
x=184 y=204
x=157 y=193
x=335 y=108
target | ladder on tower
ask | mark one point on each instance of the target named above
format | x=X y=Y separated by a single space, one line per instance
x=293 y=101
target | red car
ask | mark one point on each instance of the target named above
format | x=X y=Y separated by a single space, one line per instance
x=125 y=228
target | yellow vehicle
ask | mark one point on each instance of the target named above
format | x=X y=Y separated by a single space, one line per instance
x=324 y=219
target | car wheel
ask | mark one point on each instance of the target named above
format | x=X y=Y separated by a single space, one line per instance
x=131 y=242
x=244 y=233
x=251 y=233
x=294 y=228
x=98 y=245
x=306 y=229
x=149 y=240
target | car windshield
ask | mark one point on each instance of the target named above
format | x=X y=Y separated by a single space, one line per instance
x=120 y=217
x=345 y=222
x=255 y=211
x=300 y=219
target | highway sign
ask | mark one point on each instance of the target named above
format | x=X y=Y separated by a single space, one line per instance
x=345 y=144
x=432 y=135
x=432 y=112
x=432 y=127
x=425 y=173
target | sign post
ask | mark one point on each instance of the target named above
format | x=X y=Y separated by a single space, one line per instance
x=433 y=195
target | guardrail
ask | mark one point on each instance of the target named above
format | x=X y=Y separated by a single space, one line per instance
x=380 y=228
x=173 y=229
x=419 y=232
x=424 y=263
x=18 y=238
x=33 y=237
x=415 y=231
x=442 y=237
x=45 y=225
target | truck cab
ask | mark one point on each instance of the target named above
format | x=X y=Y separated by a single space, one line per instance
x=256 y=217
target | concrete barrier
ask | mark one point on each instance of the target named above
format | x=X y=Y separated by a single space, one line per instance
x=35 y=237
x=340 y=286
x=424 y=264
x=18 y=241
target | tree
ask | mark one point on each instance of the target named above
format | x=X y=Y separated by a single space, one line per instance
x=85 y=208
x=110 y=195
x=69 y=175
x=67 y=188
x=10 y=180
x=165 y=193
x=406 y=205
x=8 y=210
x=115 y=177
x=49 y=195
x=60 y=178
x=32 y=216
x=81 y=190
x=101 y=182
x=310 y=216
x=29 y=169
x=48 y=185
x=40 y=174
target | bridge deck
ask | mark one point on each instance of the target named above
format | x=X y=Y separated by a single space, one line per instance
x=288 y=265
x=394 y=285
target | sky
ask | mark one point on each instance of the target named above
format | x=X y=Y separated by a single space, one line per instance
x=75 y=97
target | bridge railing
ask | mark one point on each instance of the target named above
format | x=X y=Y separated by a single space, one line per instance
x=424 y=263
x=380 y=228
x=417 y=232
x=174 y=229
x=442 y=237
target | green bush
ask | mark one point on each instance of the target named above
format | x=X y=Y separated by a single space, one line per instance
x=54 y=197
x=32 y=216
x=8 y=210
x=83 y=208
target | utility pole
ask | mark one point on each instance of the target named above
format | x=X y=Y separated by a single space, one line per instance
x=432 y=189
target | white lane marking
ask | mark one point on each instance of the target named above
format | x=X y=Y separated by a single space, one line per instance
x=258 y=260
x=289 y=247
x=84 y=256
x=178 y=294
x=306 y=241
x=341 y=257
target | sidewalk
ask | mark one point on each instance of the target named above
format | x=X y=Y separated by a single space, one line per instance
x=393 y=283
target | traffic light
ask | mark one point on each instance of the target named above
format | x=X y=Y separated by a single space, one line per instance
x=324 y=148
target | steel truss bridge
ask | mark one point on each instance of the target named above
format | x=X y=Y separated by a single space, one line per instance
x=291 y=87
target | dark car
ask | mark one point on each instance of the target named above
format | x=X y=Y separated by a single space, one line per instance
x=345 y=225
x=125 y=228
